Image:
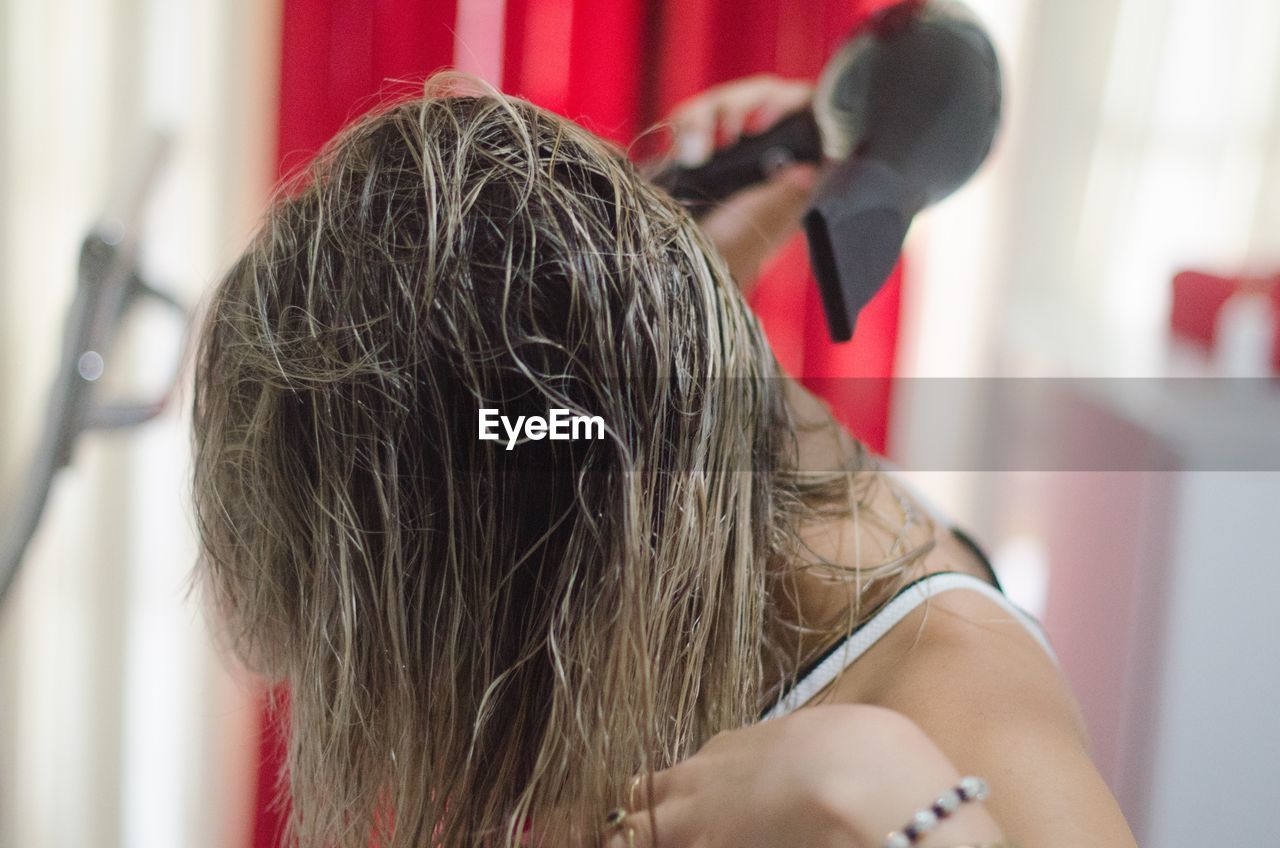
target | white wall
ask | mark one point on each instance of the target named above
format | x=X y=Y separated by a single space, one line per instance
x=1216 y=736
x=1142 y=137
x=118 y=724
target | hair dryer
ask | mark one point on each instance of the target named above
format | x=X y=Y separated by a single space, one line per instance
x=902 y=115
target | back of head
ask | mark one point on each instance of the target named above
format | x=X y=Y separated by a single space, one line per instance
x=471 y=633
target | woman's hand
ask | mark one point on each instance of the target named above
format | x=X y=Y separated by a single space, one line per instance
x=722 y=114
x=753 y=223
x=833 y=776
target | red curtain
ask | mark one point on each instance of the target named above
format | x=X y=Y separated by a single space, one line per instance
x=617 y=67
x=338 y=56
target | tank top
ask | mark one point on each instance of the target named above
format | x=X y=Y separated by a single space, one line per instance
x=824 y=670
x=821 y=672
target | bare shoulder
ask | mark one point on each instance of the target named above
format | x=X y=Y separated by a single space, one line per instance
x=966 y=645
x=981 y=686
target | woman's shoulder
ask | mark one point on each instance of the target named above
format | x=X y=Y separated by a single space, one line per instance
x=954 y=634
x=972 y=671
x=975 y=678
x=960 y=639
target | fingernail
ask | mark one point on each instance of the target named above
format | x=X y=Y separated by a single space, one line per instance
x=693 y=149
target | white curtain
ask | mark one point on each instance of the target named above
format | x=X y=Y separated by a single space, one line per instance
x=119 y=724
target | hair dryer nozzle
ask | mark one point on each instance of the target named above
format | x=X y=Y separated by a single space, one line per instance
x=855 y=229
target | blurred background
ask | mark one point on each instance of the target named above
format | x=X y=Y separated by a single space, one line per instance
x=1125 y=231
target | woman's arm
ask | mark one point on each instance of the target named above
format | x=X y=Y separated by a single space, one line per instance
x=972 y=678
x=841 y=776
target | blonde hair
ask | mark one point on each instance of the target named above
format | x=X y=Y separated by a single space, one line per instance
x=473 y=637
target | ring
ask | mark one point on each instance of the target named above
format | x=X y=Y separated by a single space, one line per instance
x=615 y=819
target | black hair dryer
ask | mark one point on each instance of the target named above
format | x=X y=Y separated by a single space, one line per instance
x=902 y=115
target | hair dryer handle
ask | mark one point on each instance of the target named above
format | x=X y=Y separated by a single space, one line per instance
x=749 y=161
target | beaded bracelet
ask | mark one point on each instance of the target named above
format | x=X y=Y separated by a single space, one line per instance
x=927 y=818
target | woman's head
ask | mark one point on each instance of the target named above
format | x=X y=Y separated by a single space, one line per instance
x=470 y=632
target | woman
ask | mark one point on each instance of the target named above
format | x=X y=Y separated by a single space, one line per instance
x=489 y=642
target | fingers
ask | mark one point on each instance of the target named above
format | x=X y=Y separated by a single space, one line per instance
x=648 y=790
x=629 y=823
x=752 y=224
x=635 y=832
x=720 y=116
x=695 y=130
x=666 y=826
x=647 y=808
x=705 y=125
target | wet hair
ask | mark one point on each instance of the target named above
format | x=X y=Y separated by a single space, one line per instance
x=473 y=637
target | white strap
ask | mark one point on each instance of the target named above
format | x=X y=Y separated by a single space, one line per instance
x=896 y=610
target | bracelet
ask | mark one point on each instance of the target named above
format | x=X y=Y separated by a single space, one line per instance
x=927 y=818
